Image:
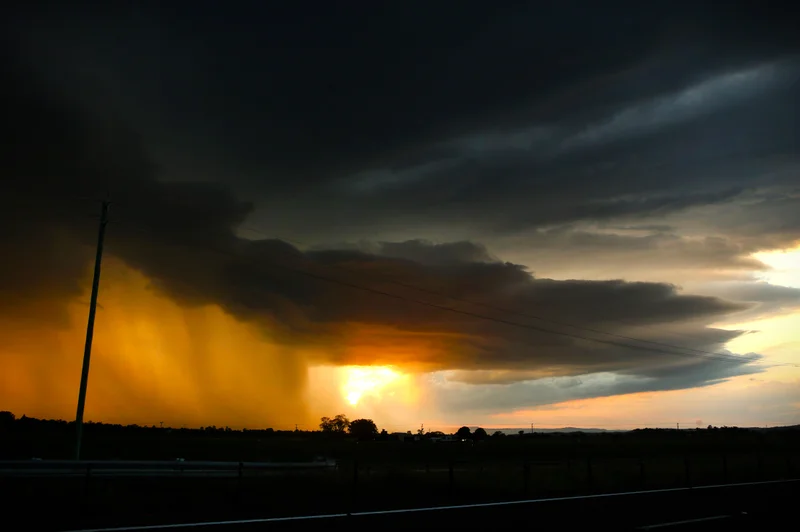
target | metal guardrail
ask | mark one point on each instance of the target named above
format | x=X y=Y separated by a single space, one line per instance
x=145 y=467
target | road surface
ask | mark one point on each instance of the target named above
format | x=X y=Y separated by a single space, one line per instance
x=765 y=505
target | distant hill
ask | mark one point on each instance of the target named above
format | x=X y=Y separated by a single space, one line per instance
x=767 y=429
x=556 y=430
x=566 y=430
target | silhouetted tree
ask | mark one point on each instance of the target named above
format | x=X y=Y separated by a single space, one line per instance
x=480 y=434
x=363 y=429
x=337 y=424
x=463 y=433
x=498 y=434
x=7 y=419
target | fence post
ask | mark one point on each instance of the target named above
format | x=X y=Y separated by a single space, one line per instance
x=354 y=494
x=687 y=471
x=87 y=483
x=239 y=483
x=724 y=468
x=451 y=478
x=589 y=479
x=760 y=467
x=788 y=466
x=570 y=483
x=526 y=477
x=642 y=479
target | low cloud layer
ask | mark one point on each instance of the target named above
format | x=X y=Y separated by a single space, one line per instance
x=539 y=392
x=765 y=299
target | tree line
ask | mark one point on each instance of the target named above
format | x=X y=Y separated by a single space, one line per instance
x=366 y=429
x=336 y=426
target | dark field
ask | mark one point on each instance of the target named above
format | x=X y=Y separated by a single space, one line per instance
x=376 y=474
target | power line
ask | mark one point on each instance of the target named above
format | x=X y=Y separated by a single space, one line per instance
x=717 y=356
x=523 y=314
x=489 y=318
x=478 y=303
x=705 y=354
x=414 y=287
x=445 y=308
x=455 y=298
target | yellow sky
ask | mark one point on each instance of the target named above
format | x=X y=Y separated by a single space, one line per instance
x=775 y=337
x=743 y=401
x=785 y=266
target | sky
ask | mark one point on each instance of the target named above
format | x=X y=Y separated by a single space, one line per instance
x=561 y=213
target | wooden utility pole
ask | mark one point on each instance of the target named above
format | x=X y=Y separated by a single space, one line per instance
x=87 y=349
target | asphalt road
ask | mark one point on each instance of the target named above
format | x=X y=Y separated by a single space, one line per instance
x=767 y=506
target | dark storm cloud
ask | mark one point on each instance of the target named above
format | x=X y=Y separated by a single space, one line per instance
x=765 y=299
x=181 y=236
x=764 y=293
x=761 y=221
x=497 y=116
x=633 y=248
x=661 y=164
x=313 y=299
x=700 y=356
x=360 y=83
x=334 y=101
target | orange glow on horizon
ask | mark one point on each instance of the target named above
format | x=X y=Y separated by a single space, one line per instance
x=376 y=345
x=152 y=360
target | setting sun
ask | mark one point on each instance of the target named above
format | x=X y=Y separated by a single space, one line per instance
x=361 y=381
